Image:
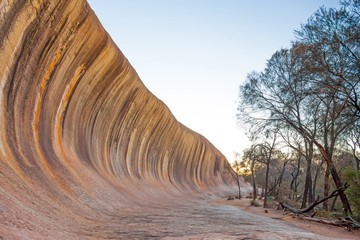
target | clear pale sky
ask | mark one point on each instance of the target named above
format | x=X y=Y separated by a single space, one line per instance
x=194 y=54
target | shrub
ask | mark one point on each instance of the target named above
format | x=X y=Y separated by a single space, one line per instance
x=254 y=203
x=353 y=191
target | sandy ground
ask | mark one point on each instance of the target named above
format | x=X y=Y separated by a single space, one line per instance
x=186 y=216
x=317 y=228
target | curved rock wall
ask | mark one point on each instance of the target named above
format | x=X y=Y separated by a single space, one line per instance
x=77 y=125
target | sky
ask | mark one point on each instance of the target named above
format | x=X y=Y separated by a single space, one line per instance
x=194 y=54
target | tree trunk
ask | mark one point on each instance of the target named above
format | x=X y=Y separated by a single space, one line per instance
x=305 y=194
x=310 y=195
x=308 y=185
x=348 y=222
x=268 y=159
x=333 y=204
x=253 y=180
x=314 y=204
x=296 y=176
x=314 y=186
x=266 y=183
x=315 y=179
x=282 y=174
x=326 y=187
x=337 y=181
x=344 y=200
x=357 y=160
x=238 y=183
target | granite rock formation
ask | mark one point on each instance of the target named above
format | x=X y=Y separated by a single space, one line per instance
x=80 y=135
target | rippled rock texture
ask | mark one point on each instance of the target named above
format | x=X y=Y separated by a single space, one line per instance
x=80 y=135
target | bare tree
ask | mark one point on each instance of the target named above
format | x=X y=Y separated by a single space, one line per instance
x=295 y=174
x=283 y=97
x=312 y=89
x=353 y=141
x=319 y=168
x=305 y=147
x=251 y=156
x=235 y=170
x=332 y=38
x=267 y=150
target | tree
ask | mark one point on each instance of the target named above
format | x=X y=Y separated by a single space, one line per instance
x=267 y=150
x=332 y=39
x=235 y=172
x=305 y=148
x=251 y=156
x=353 y=141
x=294 y=183
x=320 y=162
x=311 y=89
x=280 y=162
x=284 y=97
x=330 y=42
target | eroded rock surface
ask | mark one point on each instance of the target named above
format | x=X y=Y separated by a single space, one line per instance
x=86 y=151
x=81 y=136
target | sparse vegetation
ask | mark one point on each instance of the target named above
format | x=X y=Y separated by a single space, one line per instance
x=302 y=113
x=353 y=191
x=254 y=203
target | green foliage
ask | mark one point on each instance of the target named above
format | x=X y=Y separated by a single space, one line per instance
x=353 y=191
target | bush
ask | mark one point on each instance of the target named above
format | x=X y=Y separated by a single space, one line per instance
x=353 y=191
x=254 y=203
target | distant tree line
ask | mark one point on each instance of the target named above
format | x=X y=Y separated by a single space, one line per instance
x=302 y=112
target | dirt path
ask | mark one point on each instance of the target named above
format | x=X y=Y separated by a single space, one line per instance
x=324 y=230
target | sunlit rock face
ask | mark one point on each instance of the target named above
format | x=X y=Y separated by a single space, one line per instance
x=81 y=136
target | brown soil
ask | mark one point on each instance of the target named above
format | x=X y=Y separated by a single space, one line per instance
x=314 y=227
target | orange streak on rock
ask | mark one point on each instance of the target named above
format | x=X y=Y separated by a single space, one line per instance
x=79 y=72
x=54 y=62
x=82 y=138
